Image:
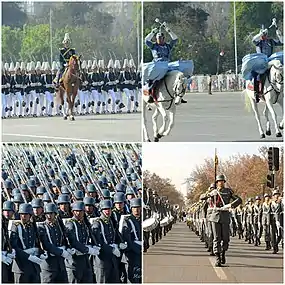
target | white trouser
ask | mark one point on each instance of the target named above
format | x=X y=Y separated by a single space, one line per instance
x=4 y=105
x=113 y=97
x=97 y=100
x=19 y=100
x=128 y=96
x=48 y=102
x=8 y=104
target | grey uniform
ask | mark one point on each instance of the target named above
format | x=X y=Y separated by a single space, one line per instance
x=79 y=271
x=221 y=219
x=257 y=228
x=275 y=218
x=23 y=237
x=53 y=268
x=266 y=210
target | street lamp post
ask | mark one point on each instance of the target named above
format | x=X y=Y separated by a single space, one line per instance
x=235 y=37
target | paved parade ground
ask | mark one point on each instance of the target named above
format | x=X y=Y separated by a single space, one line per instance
x=108 y=127
x=181 y=257
x=218 y=117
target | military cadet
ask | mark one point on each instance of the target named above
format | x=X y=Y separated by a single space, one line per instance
x=133 y=84
x=52 y=236
x=210 y=236
x=33 y=80
x=119 y=97
x=83 y=92
x=40 y=191
x=90 y=209
x=38 y=209
x=220 y=217
x=93 y=82
x=78 y=234
x=119 y=209
x=101 y=83
x=24 y=239
x=266 y=213
x=5 y=91
x=132 y=235
x=249 y=220
x=239 y=216
x=92 y=192
x=48 y=89
x=275 y=220
x=105 y=265
x=63 y=202
x=257 y=214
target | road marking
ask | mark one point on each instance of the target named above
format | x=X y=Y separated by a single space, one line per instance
x=219 y=270
x=50 y=137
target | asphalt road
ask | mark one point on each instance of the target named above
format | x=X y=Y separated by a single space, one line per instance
x=180 y=257
x=91 y=128
x=218 y=117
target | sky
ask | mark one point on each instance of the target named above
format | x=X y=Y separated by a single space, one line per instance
x=177 y=160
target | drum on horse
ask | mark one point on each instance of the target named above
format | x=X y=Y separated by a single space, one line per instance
x=171 y=89
x=272 y=94
x=69 y=86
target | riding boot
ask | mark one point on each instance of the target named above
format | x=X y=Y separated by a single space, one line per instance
x=256 y=90
x=183 y=101
x=218 y=260
x=223 y=258
x=275 y=249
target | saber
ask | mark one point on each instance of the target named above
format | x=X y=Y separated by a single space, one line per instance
x=273 y=23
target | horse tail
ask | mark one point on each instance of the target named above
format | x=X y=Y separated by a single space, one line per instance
x=247 y=103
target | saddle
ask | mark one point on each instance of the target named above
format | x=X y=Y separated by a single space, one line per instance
x=261 y=82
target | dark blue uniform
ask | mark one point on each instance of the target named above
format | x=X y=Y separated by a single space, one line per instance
x=53 y=268
x=64 y=56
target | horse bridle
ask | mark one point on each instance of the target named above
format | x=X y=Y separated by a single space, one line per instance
x=273 y=86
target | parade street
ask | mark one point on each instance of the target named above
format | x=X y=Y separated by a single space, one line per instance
x=218 y=117
x=181 y=257
x=108 y=127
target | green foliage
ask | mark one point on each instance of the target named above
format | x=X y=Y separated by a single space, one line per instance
x=11 y=43
x=12 y=15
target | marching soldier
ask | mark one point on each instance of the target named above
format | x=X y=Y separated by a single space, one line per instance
x=266 y=212
x=105 y=265
x=64 y=206
x=24 y=239
x=53 y=238
x=249 y=220
x=79 y=270
x=257 y=215
x=132 y=235
x=38 y=208
x=220 y=218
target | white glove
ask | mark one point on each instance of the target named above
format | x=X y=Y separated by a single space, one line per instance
x=278 y=224
x=155 y=30
x=93 y=251
x=8 y=84
x=214 y=192
x=7 y=260
x=167 y=29
x=138 y=242
x=66 y=255
x=123 y=246
x=227 y=207
x=12 y=254
x=116 y=252
x=259 y=225
x=102 y=82
x=243 y=224
x=71 y=251
x=44 y=256
x=86 y=82
x=117 y=81
x=278 y=33
x=35 y=259
x=264 y=32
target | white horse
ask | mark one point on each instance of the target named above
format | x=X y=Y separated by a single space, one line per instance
x=272 y=94
x=171 y=89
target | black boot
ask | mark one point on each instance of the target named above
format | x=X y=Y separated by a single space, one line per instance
x=268 y=247
x=183 y=101
x=256 y=91
x=223 y=258
x=150 y=99
x=218 y=260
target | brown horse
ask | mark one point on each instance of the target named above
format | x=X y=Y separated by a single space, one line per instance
x=69 y=85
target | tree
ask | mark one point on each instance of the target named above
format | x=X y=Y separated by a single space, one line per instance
x=11 y=43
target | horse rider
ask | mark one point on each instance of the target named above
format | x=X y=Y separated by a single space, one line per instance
x=65 y=53
x=161 y=51
x=264 y=45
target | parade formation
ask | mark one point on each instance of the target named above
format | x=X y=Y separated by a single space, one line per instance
x=71 y=213
x=29 y=88
x=158 y=217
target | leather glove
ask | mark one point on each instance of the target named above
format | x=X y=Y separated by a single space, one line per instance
x=123 y=246
x=66 y=255
x=155 y=30
x=116 y=252
x=93 y=251
x=227 y=206
x=214 y=192
x=7 y=260
x=35 y=259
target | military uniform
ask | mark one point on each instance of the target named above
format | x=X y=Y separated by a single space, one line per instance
x=265 y=220
x=53 y=268
x=78 y=271
x=105 y=265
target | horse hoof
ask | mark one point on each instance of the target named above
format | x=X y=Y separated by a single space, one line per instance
x=278 y=135
x=268 y=133
x=262 y=136
x=65 y=117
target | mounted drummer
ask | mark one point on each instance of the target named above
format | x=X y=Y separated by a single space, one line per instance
x=264 y=45
x=161 y=51
x=65 y=53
